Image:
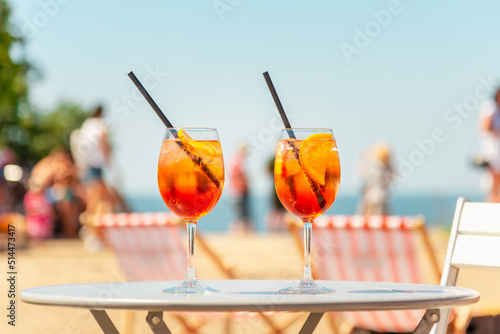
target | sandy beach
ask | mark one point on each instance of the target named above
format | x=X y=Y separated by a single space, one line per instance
x=253 y=256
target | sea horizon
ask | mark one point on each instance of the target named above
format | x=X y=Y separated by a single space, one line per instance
x=437 y=209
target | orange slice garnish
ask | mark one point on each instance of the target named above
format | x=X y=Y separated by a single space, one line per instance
x=313 y=155
x=203 y=149
x=183 y=135
x=204 y=153
x=187 y=140
x=333 y=165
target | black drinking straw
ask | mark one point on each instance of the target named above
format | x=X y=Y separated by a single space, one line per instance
x=314 y=186
x=277 y=101
x=196 y=159
x=152 y=103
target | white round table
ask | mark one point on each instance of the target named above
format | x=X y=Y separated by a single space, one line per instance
x=250 y=295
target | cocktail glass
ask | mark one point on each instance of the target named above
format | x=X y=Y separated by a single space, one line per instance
x=307 y=178
x=190 y=179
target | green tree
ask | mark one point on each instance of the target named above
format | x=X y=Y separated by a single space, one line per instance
x=54 y=128
x=16 y=125
x=30 y=134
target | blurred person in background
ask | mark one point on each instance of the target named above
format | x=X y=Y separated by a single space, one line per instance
x=489 y=135
x=91 y=149
x=240 y=191
x=40 y=213
x=375 y=168
x=54 y=182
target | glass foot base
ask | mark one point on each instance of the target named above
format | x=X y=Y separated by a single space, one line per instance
x=191 y=287
x=307 y=287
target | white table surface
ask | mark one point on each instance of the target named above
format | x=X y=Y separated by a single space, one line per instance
x=250 y=295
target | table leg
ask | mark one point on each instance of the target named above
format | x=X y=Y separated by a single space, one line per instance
x=311 y=323
x=430 y=318
x=155 y=322
x=104 y=322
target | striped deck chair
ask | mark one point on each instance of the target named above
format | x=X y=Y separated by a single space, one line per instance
x=372 y=248
x=152 y=246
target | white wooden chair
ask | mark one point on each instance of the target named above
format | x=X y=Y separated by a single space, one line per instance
x=474 y=243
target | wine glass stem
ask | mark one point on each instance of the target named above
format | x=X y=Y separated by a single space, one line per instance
x=191 y=232
x=307 y=276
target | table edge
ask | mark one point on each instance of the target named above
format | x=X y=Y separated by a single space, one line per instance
x=473 y=296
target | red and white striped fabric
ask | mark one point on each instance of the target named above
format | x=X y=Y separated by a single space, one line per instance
x=370 y=248
x=149 y=246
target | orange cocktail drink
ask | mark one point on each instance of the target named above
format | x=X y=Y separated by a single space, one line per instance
x=190 y=179
x=307 y=178
x=307 y=174
x=190 y=175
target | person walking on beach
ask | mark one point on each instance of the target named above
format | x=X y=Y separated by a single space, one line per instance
x=376 y=170
x=91 y=149
x=489 y=133
x=240 y=192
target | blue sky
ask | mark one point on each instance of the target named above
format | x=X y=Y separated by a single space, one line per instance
x=414 y=79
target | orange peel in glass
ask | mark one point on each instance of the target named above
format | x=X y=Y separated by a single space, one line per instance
x=313 y=155
x=203 y=149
